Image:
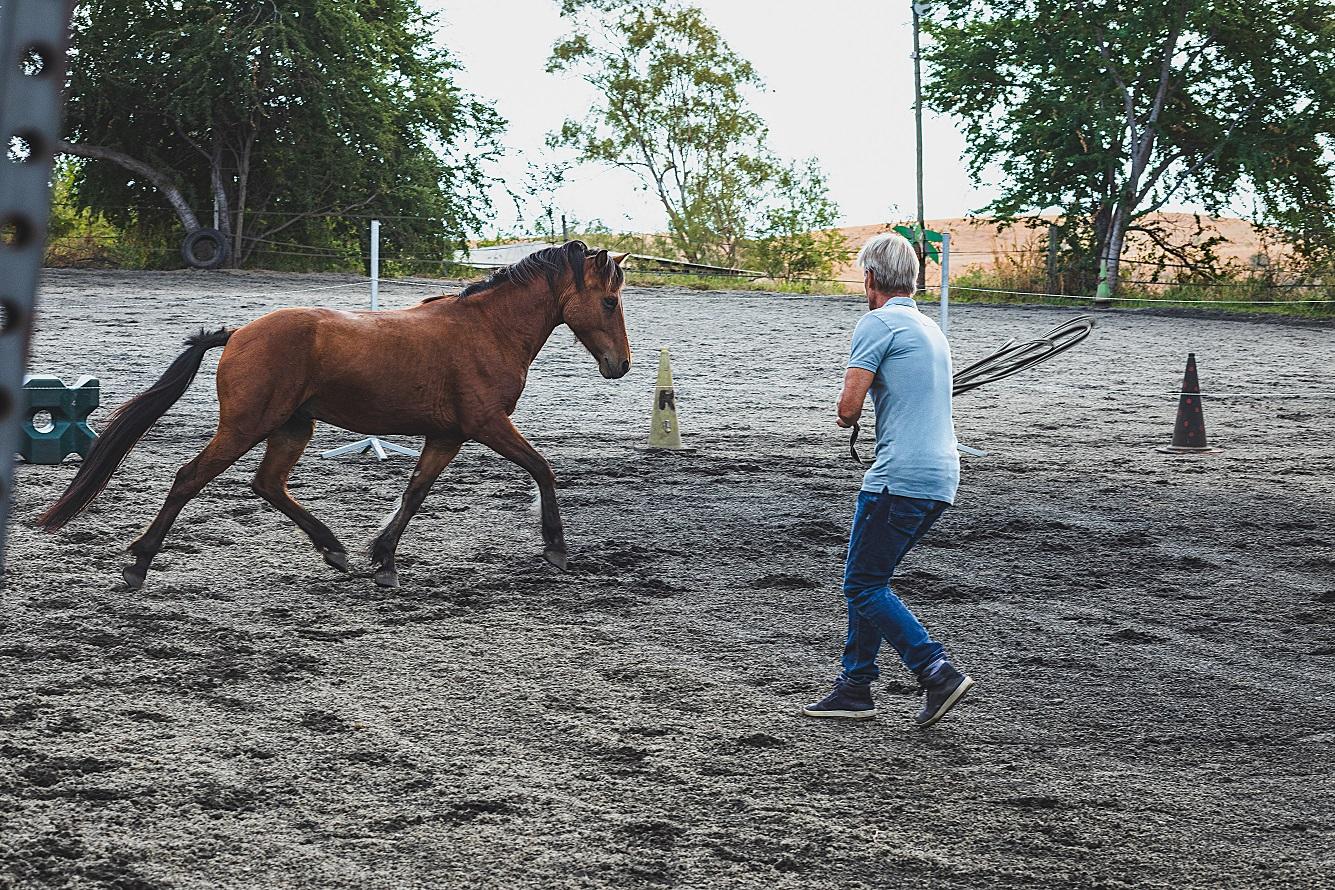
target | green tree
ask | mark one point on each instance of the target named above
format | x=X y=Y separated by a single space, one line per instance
x=795 y=237
x=673 y=110
x=720 y=211
x=286 y=115
x=1110 y=111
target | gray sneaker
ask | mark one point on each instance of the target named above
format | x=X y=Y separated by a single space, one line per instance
x=945 y=686
x=846 y=700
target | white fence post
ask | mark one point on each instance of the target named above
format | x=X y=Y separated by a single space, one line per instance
x=375 y=264
x=945 y=283
x=377 y=446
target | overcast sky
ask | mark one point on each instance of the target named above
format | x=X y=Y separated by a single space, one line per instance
x=839 y=78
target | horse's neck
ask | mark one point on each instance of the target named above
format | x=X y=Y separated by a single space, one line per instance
x=524 y=315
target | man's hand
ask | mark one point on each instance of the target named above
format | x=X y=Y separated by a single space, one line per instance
x=856 y=383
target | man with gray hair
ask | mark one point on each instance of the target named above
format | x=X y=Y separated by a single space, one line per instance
x=902 y=357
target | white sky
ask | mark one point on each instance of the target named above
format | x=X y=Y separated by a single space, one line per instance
x=839 y=79
x=839 y=86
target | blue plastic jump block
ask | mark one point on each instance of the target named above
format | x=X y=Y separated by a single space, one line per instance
x=68 y=406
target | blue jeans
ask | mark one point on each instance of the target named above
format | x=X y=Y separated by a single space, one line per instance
x=885 y=528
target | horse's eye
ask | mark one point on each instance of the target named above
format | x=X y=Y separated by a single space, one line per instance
x=610 y=303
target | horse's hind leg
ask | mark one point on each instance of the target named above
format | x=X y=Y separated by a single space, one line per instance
x=282 y=451
x=436 y=456
x=223 y=450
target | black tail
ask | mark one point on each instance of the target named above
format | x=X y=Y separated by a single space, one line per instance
x=127 y=426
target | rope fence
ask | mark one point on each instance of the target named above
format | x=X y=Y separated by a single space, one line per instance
x=992 y=290
x=436 y=285
x=355 y=256
x=384 y=282
x=306 y=251
x=1261 y=394
x=419 y=283
x=308 y=290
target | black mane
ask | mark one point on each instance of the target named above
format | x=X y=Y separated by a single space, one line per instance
x=549 y=263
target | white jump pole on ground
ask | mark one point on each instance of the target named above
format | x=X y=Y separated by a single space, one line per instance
x=945 y=283
x=379 y=447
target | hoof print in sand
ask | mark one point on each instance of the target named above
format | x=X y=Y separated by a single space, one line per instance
x=226 y=799
x=1135 y=637
x=784 y=581
x=1033 y=802
x=324 y=721
x=655 y=834
x=330 y=636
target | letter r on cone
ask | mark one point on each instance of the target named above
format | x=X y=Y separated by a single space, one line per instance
x=663 y=429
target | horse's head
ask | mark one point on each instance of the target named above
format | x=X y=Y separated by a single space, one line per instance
x=594 y=313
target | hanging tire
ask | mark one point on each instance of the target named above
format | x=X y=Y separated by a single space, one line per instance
x=204 y=249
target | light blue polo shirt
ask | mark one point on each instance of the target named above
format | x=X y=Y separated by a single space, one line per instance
x=915 y=433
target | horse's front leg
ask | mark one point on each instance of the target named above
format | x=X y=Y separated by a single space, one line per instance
x=435 y=457
x=502 y=437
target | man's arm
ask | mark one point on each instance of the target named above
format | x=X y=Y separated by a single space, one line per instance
x=856 y=383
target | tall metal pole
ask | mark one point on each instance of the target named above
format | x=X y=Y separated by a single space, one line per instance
x=917 y=114
x=33 y=39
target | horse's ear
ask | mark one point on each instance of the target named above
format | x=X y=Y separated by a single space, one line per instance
x=600 y=259
x=620 y=258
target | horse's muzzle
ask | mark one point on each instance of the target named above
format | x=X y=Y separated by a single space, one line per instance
x=612 y=369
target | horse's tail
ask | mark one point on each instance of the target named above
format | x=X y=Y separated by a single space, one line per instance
x=127 y=426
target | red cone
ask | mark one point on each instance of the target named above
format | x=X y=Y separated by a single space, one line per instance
x=1189 y=430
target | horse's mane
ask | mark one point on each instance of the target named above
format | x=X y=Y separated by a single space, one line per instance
x=551 y=264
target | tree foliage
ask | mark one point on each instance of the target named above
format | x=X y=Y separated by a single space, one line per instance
x=675 y=111
x=796 y=237
x=1111 y=111
x=288 y=115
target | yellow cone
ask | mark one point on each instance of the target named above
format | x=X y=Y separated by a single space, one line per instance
x=664 y=432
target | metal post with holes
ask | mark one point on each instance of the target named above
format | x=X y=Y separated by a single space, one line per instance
x=34 y=35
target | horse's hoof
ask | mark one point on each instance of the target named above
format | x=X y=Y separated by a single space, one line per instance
x=387 y=577
x=133 y=578
x=557 y=558
x=336 y=558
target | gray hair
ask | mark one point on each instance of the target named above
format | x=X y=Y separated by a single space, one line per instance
x=892 y=261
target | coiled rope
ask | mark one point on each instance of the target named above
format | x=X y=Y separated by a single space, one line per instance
x=1011 y=358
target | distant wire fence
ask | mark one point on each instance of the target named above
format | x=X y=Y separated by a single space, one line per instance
x=1138 y=299
x=98 y=243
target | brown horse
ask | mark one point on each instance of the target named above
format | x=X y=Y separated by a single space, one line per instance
x=450 y=369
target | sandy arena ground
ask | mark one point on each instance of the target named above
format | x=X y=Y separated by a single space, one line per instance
x=1153 y=636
